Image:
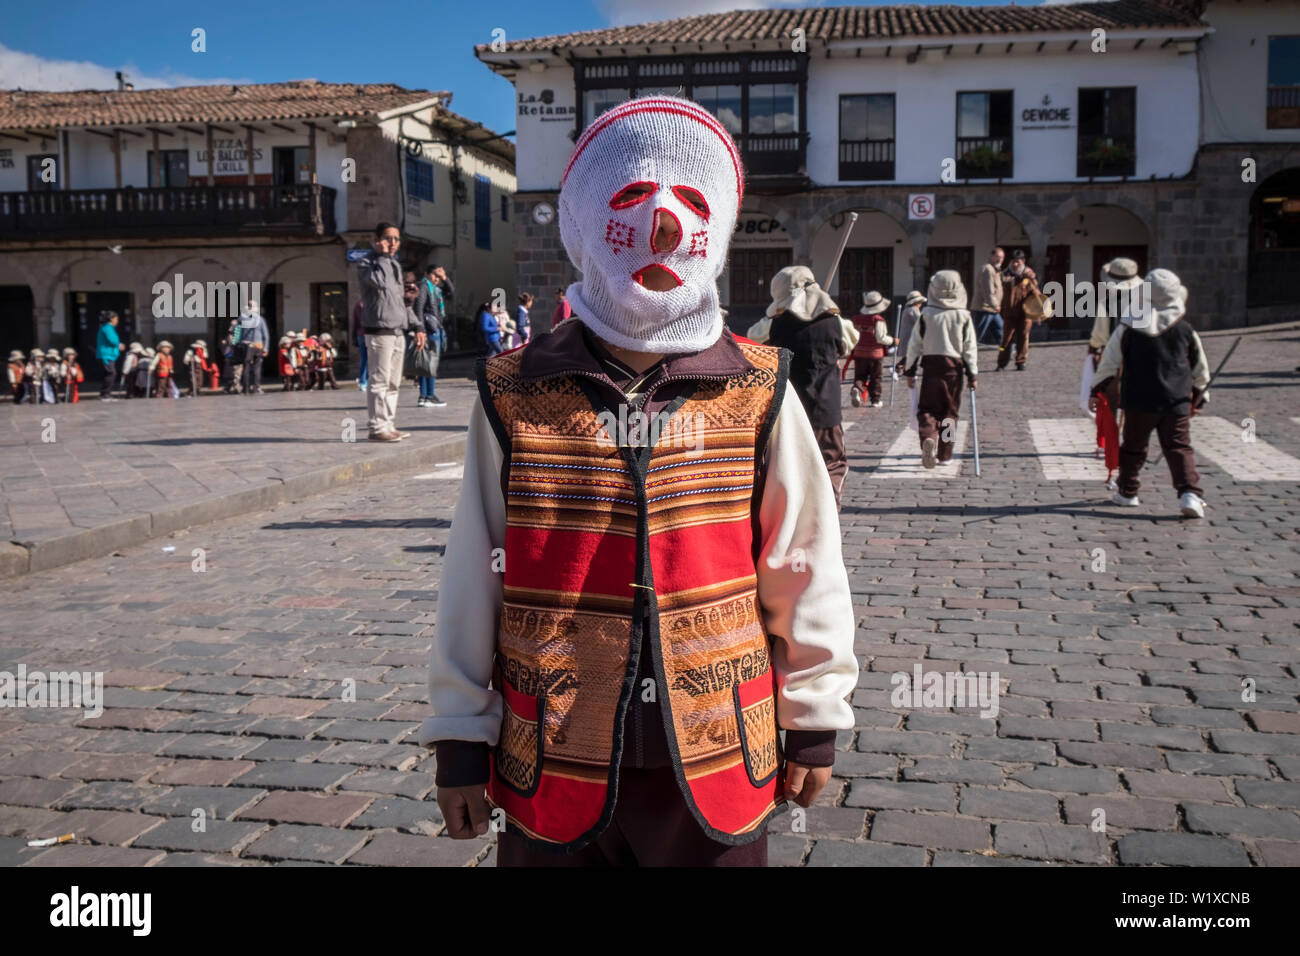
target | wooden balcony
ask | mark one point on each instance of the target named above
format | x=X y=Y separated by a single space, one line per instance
x=987 y=157
x=298 y=210
x=774 y=154
x=866 y=159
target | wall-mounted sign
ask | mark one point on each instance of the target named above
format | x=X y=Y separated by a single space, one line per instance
x=1046 y=114
x=920 y=206
x=546 y=107
x=229 y=157
x=356 y=255
x=754 y=229
x=543 y=214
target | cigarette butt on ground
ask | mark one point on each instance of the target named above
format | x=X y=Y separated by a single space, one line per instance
x=51 y=841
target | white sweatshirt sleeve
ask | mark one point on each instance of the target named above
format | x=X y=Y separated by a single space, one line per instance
x=469 y=601
x=1111 y=359
x=803 y=586
x=1200 y=367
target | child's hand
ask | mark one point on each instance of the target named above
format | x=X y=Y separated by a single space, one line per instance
x=466 y=811
x=804 y=783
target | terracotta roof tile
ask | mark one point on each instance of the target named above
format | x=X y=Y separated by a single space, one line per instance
x=885 y=22
x=304 y=99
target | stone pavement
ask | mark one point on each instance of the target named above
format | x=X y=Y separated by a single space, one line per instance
x=1121 y=687
x=119 y=473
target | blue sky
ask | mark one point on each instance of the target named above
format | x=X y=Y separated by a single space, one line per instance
x=421 y=45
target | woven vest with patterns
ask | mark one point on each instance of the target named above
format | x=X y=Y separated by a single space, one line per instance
x=601 y=537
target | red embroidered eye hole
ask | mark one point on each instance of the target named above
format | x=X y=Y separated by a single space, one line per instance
x=693 y=198
x=633 y=194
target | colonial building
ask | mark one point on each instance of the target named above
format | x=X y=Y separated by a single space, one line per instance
x=1078 y=132
x=105 y=194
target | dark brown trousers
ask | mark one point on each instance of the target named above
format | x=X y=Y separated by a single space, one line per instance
x=1175 y=434
x=831 y=442
x=867 y=373
x=651 y=827
x=939 y=402
x=1015 y=334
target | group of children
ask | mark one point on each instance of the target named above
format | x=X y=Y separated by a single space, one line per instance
x=150 y=373
x=307 y=361
x=1150 y=369
x=45 y=377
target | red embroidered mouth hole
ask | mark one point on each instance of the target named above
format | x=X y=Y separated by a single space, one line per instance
x=655 y=270
x=693 y=198
x=633 y=194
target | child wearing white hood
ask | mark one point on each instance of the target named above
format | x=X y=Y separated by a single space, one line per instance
x=1154 y=369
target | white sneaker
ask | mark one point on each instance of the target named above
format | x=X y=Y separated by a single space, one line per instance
x=1192 y=505
x=1124 y=501
x=420 y=404
x=877 y=404
x=929 y=452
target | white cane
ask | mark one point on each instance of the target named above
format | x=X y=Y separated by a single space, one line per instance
x=893 y=365
x=975 y=431
x=844 y=241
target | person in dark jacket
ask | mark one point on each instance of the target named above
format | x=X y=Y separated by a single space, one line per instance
x=806 y=321
x=428 y=306
x=1018 y=284
x=1154 y=369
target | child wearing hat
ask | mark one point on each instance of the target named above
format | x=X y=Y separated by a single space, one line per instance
x=806 y=321
x=302 y=359
x=285 y=358
x=942 y=346
x=73 y=376
x=53 y=376
x=196 y=360
x=912 y=306
x=144 y=373
x=36 y=377
x=617 y=680
x=164 y=368
x=17 y=376
x=1154 y=369
x=130 y=370
x=868 y=355
x=325 y=356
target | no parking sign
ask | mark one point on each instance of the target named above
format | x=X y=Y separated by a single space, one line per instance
x=920 y=206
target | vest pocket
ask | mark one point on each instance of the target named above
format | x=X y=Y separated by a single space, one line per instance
x=518 y=754
x=756 y=720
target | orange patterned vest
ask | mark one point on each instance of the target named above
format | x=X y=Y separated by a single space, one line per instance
x=600 y=538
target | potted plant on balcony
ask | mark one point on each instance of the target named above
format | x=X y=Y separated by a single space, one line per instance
x=1105 y=155
x=984 y=159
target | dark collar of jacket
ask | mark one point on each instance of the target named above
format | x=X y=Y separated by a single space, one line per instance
x=565 y=351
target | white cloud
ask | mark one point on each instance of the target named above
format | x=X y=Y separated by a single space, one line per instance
x=33 y=72
x=624 y=12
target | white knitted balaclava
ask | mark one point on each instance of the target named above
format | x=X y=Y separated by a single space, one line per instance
x=680 y=150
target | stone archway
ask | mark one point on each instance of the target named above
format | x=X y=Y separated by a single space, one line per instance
x=964 y=233
x=1273 y=247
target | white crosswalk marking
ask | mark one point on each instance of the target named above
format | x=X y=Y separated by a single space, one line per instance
x=1221 y=442
x=1067 y=449
x=903 y=460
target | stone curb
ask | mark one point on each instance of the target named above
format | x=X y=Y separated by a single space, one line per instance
x=23 y=557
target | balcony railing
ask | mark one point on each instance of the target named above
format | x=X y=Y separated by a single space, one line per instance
x=1106 y=156
x=301 y=209
x=866 y=159
x=1283 y=107
x=985 y=157
x=774 y=154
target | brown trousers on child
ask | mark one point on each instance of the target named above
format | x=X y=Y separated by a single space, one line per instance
x=939 y=401
x=651 y=827
x=1175 y=434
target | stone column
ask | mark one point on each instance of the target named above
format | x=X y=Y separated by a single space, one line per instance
x=44 y=316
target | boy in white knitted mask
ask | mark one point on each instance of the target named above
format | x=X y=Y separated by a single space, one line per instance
x=626 y=622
